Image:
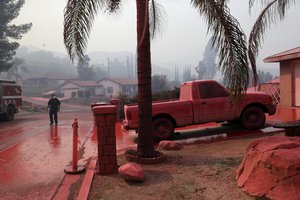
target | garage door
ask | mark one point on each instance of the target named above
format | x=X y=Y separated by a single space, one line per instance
x=296 y=65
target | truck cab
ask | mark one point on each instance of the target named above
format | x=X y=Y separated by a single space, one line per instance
x=10 y=99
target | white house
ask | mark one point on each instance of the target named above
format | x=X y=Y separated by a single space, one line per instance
x=80 y=89
x=112 y=87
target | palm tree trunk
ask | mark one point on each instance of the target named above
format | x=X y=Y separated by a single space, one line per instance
x=145 y=139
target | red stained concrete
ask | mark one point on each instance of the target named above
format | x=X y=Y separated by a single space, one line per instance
x=284 y=114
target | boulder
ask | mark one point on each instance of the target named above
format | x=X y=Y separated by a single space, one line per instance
x=169 y=145
x=271 y=168
x=132 y=172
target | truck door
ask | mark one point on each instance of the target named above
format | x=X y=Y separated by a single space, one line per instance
x=214 y=102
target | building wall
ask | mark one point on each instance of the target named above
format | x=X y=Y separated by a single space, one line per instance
x=286 y=83
x=296 y=82
x=111 y=89
x=68 y=88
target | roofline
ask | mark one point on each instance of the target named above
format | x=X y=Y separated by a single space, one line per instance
x=71 y=81
x=115 y=81
x=282 y=58
x=285 y=56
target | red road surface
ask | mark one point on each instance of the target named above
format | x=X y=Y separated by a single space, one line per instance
x=33 y=154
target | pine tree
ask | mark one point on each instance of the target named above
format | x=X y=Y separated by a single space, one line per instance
x=9 y=10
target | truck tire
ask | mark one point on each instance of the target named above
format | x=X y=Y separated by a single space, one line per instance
x=163 y=129
x=253 y=118
x=10 y=113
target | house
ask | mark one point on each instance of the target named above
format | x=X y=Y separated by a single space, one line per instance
x=75 y=88
x=47 y=80
x=112 y=87
x=289 y=62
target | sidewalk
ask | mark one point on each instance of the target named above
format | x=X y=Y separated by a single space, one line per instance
x=282 y=114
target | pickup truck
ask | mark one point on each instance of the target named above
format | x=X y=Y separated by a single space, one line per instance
x=203 y=101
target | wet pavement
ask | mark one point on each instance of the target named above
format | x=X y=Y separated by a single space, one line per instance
x=33 y=154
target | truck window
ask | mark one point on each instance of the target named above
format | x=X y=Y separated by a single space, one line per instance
x=185 y=92
x=211 y=90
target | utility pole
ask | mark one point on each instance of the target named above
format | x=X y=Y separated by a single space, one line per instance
x=108 y=68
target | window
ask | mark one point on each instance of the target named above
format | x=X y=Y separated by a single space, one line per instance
x=211 y=90
x=110 y=89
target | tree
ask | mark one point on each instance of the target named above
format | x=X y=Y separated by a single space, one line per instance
x=159 y=83
x=100 y=72
x=9 y=10
x=264 y=77
x=14 y=71
x=227 y=36
x=273 y=11
x=187 y=74
x=207 y=68
x=85 y=72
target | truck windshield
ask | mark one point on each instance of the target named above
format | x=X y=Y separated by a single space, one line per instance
x=185 y=92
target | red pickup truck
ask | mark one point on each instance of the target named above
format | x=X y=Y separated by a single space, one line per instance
x=201 y=102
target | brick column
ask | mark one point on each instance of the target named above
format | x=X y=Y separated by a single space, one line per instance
x=105 y=120
x=116 y=102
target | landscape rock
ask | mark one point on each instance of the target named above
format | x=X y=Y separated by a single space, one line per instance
x=132 y=172
x=271 y=168
x=169 y=145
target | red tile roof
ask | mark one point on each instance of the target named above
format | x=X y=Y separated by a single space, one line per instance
x=285 y=55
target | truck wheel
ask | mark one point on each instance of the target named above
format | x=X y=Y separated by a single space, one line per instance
x=253 y=118
x=10 y=113
x=163 y=129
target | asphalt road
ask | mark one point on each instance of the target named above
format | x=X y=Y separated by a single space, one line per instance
x=33 y=155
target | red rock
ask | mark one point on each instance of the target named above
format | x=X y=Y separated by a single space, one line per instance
x=132 y=172
x=287 y=191
x=271 y=168
x=169 y=145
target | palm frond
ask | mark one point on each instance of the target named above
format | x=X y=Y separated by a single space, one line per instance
x=230 y=42
x=275 y=10
x=156 y=17
x=113 y=5
x=78 y=19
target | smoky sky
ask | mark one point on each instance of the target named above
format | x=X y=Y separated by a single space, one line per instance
x=181 y=42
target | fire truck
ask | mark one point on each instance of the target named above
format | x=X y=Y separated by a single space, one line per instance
x=10 y=99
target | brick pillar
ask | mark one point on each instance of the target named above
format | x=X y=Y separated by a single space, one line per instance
x=116 y=102
x=104 y=120
x=97 y=104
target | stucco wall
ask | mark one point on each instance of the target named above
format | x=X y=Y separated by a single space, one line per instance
x=68 y=88
x=286 y=83
x=296 y=82
x=111 y=89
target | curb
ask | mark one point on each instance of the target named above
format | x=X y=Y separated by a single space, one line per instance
x=87 y=181
x=88 y=178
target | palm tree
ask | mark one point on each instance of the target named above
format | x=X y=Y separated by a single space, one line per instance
x=273 y=11
x=227 y=37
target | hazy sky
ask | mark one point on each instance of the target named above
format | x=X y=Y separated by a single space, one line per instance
x=182 y=41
